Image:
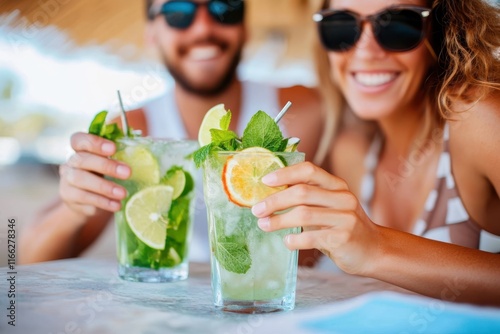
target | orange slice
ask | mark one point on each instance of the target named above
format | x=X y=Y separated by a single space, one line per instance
x=243 y=172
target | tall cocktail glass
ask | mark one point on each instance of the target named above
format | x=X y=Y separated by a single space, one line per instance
x=153 y=227
x=252 y=270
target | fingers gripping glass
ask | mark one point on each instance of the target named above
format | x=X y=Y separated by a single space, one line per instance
x=180 y=14
x=396 y=29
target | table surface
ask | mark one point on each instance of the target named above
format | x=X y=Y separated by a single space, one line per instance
x=87 y=296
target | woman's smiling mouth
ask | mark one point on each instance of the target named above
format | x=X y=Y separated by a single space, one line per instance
x=374 y=79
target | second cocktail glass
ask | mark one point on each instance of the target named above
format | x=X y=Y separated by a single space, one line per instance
x=252 y=270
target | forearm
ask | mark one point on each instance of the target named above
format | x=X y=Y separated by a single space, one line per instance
x=440 y=270
x=56 y=235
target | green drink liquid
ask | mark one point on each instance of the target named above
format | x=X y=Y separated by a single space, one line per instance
x=154 y=224
x=252 y=270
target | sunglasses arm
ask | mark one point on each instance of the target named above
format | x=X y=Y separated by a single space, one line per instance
x=154 y=11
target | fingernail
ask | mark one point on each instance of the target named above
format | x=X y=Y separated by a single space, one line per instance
x=263 y=223
x=259 y=208
x=108 y=148
x=118 y=192
x=269 y=179
x=122 y=171
x=286 y=239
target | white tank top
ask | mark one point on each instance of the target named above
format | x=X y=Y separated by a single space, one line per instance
x=163 y=121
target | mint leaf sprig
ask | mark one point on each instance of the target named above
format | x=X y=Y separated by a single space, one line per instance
x=111 y=131
x=233 y=256
x=261 y=131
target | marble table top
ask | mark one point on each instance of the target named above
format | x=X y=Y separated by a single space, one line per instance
x=87 y=296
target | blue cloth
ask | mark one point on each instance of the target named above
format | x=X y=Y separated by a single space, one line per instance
x=387 y=313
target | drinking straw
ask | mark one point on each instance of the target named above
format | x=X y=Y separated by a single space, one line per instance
x=123 y=116
x=282 y=112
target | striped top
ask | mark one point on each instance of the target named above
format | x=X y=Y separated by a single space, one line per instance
x=444 y=217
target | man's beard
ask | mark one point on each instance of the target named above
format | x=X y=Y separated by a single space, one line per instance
x=213 y=90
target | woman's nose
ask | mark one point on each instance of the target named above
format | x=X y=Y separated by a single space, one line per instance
x=367 y=45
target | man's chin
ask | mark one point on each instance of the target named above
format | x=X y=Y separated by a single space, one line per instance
x=207 y=86
x=212 y=85
x=205 y=89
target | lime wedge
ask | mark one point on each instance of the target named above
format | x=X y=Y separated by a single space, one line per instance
x=210 y=121
x=174 y=257
x=189 y=184
x=145 y=213
x=292 y=144
x=145 y=168
x=175 y=178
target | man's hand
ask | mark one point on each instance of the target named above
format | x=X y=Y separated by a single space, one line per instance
x=83 y=187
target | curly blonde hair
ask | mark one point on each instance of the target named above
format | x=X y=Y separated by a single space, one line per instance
x=468 y=37
x=465 y=37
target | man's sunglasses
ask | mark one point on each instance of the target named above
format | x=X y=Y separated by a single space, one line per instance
x=180 y=14
x=396 y=29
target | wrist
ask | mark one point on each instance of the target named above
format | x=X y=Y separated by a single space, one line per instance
x=379 y=253
x=72 y=216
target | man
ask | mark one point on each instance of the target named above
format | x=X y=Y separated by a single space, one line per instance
x=200 y=43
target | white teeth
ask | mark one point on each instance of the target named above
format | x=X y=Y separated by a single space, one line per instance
x=203 y=52
x=374 y=79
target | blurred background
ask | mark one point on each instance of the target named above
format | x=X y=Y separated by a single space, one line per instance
x=62 y=61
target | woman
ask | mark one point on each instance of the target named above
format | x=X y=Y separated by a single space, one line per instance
x=409 y=201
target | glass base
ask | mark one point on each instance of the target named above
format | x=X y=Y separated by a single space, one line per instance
x=139 y=274
x=255 y=307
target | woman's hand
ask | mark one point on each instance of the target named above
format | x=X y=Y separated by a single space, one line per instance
x=330 y=215
x=82 y=187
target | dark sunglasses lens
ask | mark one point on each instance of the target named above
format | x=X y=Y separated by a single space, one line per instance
x=179 y=14
x=399 y=30
x=339 y=31
x=228 y=11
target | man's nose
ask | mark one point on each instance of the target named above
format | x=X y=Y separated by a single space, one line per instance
x=203 y=22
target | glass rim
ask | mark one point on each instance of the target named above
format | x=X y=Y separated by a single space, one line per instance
x=227 y=153
x=157 y=139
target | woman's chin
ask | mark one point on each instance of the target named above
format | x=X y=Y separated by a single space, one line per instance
x=370 y=114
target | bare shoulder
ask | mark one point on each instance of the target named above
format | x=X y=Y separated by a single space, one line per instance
x=347 y=156
x=303 y=98
x=136 y=119
x=475 y=154
x=306 y=106
x=305 y=117
x=476 y=130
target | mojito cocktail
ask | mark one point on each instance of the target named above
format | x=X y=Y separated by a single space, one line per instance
x=252 y=270
x=154 y=225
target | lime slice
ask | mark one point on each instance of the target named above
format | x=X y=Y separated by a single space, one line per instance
x=174 y=257
x=175 y=178
x=145 y=213
x=210 y=121
x=292 y=144
x=145 y=168
x=189 y=183
x=243 y=172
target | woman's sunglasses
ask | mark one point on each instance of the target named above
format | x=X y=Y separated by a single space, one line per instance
x=180 y=14
x=396 y=29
